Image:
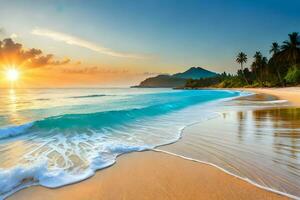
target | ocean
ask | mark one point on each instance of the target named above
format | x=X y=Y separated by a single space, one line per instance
x=54 y=137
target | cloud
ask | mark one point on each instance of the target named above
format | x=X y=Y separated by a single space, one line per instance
x=78 y=63
x=72 y=40
x=14 y=35
x=13 y=53
x=94 y=70
x=151 y=73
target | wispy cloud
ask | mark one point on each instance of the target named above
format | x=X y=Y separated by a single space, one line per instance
x=93 y=70
x=72 y=40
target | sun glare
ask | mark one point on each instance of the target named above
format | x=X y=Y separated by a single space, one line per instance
x=12 y=74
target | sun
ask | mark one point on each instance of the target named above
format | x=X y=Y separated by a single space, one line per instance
x=12 y=74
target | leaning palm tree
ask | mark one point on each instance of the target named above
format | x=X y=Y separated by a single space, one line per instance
x=241 y=59
x=274 y=61
x=291 y=48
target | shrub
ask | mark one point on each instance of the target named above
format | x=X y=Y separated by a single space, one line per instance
x=293 y=75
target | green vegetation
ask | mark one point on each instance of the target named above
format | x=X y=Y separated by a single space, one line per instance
x=281 y=69
x=293 y=75
x=176 y=80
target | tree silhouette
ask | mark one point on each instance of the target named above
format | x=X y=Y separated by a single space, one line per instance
x=291 y=49
x=241 y=59
x=274 y=62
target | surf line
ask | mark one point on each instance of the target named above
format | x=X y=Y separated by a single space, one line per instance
x=227 y=172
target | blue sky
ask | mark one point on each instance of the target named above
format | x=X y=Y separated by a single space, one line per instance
x=169 y=35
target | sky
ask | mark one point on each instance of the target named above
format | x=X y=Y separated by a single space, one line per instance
x=120 y=42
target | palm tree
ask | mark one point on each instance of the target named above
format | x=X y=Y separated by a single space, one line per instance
x=241 y=59
x=275 y=48
x=291 y=48
x=275 y=59
x=256 y=63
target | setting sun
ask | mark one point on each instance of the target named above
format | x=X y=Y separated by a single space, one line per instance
x=12 y=74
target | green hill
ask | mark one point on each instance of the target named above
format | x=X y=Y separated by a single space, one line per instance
x=176 y=80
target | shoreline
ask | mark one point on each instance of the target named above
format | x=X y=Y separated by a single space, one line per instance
x=145 y=161
x=249 y=181
x=291 y=94
x=153 y=175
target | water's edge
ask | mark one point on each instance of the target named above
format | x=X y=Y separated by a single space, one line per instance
x=227 y=172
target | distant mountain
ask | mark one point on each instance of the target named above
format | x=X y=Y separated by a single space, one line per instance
x=166 y=81
x=195 y=73
x=176 y=80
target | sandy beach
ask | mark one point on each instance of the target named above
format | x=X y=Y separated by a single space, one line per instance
x=154 y=175
x=292 y=94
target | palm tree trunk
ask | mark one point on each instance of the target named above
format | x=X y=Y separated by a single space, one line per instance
x=244 y=74
x=279 y=77
x=256 y=76
x=261 y=77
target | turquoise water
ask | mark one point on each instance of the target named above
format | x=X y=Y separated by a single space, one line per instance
x=54 y=137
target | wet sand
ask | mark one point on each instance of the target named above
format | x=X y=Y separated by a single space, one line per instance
x=153 y=175
x=292 y=94
x=262 y=145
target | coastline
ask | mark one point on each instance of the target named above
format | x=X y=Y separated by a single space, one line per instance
x=171 y=177
x=153 y=175
x=292 y=94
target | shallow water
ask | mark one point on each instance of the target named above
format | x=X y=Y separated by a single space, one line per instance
x=54 y=137
x=252 y=139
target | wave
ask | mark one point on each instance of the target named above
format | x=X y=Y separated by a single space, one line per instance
x=103 y=119
x=266 y=102
x=274 y=102
x=43 y=99
x=86 y=121
x=14 y=131
x=20 y=177
x=88 y=96
x=76 y=97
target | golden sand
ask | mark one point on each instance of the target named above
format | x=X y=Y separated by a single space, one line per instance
x=152 y=175
x=292 y=94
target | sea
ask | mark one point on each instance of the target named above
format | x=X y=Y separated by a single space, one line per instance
x=55 y=137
